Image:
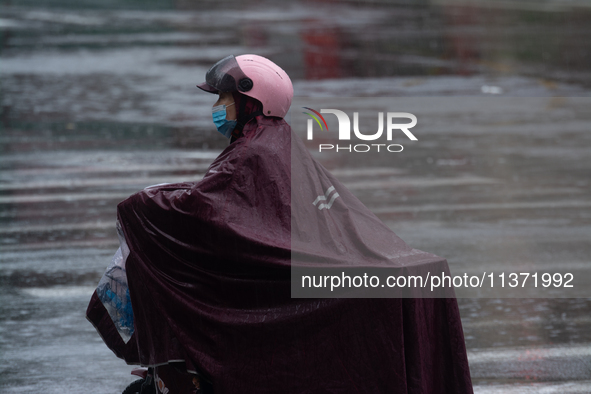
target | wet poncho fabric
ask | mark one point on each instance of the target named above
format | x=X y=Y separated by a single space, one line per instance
x=209 y=279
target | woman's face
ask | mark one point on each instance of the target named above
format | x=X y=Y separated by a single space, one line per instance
x=226 y=99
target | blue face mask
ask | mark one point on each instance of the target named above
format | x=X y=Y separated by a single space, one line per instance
x=223 y=125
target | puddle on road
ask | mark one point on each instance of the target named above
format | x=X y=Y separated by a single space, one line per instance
x=59 y=292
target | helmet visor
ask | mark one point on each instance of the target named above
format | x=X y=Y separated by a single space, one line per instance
x=224 y=76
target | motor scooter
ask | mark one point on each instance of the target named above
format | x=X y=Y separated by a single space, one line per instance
x=167 y=379
x=113 y=292
x=144 y=385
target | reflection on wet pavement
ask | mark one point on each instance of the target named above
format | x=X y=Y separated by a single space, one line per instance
x=99 y=102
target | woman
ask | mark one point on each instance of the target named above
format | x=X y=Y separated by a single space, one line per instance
x=209 y=269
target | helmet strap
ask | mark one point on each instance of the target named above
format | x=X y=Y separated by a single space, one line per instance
x=243 y=120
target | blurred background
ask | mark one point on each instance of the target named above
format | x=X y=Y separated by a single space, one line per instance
x=98 y=100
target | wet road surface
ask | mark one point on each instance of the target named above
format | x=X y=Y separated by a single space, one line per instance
x=98 y=104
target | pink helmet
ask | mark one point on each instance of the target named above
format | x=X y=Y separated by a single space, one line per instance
x=253 y=76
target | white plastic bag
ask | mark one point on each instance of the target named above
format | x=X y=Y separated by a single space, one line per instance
x=113 y=291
